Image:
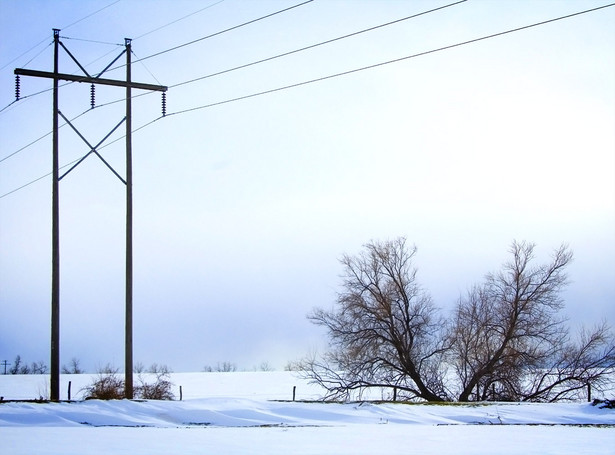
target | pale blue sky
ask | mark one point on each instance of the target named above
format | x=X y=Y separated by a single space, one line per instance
x=243 y=209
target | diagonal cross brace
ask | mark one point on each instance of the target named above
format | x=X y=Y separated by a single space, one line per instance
x=74 y=59
x=92 y=149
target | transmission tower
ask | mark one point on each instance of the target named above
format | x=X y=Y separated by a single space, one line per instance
x=128 y=84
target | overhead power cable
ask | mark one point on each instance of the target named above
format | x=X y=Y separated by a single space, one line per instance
x=452 y=46
x=51 y=42
x=64 y=28
x=221 y=32
x=160 y=28
x=91 y=41
x=179 y=46
x=41 y=137
x=388 y=62
x=285 y=54
x=91 y=14
x=177 y=20
x=25 y=53
x=312 y=46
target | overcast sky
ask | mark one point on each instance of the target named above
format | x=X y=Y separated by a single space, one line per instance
x=243 y=209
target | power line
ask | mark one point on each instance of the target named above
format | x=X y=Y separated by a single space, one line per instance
x=92 y=41
x=90 y=15
x=299 y=84
x=40 y=138
x=39 y=53
x=312 y=46
x=145 y=58
x=216 y=33
x=221 y=32
x=26 y=64
x=24 y=53
x=177 y=20
x=171 y=49
x=51 y=42
x=160 y=28
x=285 y=54
x=64 y=28
x=24 y=97
x=148 y=70
x=388 y=62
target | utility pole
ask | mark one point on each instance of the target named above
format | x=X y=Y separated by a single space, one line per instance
x=128 y=386
x=55 y=233
x=5 y=363
x=128 y=84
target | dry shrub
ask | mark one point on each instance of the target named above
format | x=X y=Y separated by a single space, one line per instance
x=160 y=389
x=107 y=386
x=110 y=386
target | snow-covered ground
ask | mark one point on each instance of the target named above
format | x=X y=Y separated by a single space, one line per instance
x=252 y=413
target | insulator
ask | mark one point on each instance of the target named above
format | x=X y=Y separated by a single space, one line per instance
x=92 y=96
x=164 y=104
x=17 y=87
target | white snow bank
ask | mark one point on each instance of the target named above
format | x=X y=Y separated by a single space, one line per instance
x=237 y=412
x=233 y=413
x=247 y=399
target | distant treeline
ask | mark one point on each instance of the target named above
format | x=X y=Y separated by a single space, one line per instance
x=20 y=367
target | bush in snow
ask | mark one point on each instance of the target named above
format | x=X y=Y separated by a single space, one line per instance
x=107 y=386
x=160 y=389
x=110 y=386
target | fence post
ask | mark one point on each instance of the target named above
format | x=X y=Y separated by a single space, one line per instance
x=294 y=390
x=589 y=392
x=180 y=393
x=69 y=386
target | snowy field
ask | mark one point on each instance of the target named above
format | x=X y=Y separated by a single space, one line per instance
x=253 y=413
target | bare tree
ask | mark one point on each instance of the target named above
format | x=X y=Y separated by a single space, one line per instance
x=510 y=324
x=39 y=367
x=221 y=367
x=23 y=368
x=264 y=366
x=577 y=368
x=73 y=367
x=226 y=367
x=16 y=368
x=385 y=330
x=506 y=340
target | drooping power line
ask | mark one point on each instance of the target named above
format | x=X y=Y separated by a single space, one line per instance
x=64 y=28
x=388 y=62
x=285 y=54
x=173 y=48
x=222 y=31
x=299 y=84
x=312 y=46
x=158 y=28
x=177 y=20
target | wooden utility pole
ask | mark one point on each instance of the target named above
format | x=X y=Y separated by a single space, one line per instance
x=55 y=234
x=128 y=386
x=55 y=280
